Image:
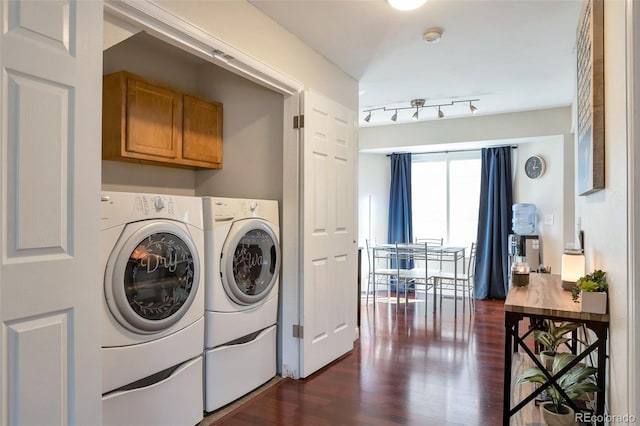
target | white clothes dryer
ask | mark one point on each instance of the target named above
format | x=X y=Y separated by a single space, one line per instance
x=242 y=256
x=153 y=308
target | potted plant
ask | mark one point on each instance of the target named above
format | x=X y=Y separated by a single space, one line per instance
x=575 y=383
x=551 y=337
x=592 y=290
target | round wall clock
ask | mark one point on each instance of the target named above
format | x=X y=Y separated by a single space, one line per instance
x=534 y=167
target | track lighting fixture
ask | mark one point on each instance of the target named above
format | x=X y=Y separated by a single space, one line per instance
x=419 y=104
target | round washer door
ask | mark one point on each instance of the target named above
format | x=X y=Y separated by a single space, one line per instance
x=152 y=278
x=250 y=261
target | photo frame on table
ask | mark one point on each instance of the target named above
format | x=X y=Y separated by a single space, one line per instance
x=590 y=97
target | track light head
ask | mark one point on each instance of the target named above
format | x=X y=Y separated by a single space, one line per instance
x=367 y=117
x=472 y=107
x=418 y=103
x=440 y=113
x=394 y=117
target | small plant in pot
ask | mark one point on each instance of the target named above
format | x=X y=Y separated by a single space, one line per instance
x=575 y=383
x=592 y=291
x=551 y=337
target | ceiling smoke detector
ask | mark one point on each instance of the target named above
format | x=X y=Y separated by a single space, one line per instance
x=432 y=35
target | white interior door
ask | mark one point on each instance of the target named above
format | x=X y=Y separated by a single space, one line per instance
x=329 y=249
x=51 y=62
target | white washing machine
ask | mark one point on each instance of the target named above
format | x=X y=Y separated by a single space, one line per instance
x=242 y=255
x=153 y=309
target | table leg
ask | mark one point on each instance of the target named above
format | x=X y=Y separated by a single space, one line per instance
x=508 y=352
x=455 y=286
x=601 y=334
x=464 y=293
x=373 y=274
x=435 y=290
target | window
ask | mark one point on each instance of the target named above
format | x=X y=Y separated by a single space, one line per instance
x=446 y=195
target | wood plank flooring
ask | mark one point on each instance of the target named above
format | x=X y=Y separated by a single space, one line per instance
x=403 y=370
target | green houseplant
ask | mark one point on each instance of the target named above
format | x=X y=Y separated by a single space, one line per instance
x=551 y=337
x=592 y=291
x=575 y=383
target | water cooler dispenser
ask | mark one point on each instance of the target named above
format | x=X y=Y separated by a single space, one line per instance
x=524 y=242
x=527 y=247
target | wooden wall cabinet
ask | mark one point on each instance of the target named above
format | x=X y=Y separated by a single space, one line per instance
x=147 y=122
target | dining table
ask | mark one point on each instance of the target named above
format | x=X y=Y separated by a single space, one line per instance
x=411 y=252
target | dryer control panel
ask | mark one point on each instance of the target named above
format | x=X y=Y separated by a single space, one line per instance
x=218 y=210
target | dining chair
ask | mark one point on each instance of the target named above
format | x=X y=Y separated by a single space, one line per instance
x=380 y=267
x=465 y=279
x=389 y=265
x=432 y=241
x=420 y=274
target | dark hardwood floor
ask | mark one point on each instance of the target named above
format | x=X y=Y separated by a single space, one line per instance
x=403 y=370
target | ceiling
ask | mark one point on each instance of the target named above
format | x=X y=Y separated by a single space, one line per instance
x=512 y=55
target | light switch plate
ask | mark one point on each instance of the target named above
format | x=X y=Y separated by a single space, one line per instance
x=548 y=219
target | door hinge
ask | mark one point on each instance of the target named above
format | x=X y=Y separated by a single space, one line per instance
x=298 y=122
x=298 y=331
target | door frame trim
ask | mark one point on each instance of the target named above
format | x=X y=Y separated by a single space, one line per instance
x=177 y=31
x=633 y=204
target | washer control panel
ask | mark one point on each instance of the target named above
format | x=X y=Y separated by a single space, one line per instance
x=118 y=208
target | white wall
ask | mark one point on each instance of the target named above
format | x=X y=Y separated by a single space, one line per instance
x=374 y=177
x=243 y=26
x=450 y=132
x=604 y=213
x=547 y=193
x=252 y=135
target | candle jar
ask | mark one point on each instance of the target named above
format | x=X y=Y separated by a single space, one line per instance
x=520 y=272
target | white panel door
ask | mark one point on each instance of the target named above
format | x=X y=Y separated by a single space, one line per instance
x=50 y=283
x=329 y=249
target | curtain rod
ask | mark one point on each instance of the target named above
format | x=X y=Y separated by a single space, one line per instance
x=450 y=151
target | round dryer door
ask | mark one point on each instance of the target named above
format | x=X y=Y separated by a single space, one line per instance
x=250 y=261
x=152 y=277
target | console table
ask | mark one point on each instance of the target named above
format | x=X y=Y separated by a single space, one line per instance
x=542 y=299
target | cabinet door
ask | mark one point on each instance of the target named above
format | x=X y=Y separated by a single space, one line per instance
x=202 y=132
x=154 y=120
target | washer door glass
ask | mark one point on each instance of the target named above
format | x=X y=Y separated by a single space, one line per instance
x=155 y=278
x=250 y=261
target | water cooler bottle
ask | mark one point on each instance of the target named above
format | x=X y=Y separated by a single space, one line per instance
x=524 y=242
